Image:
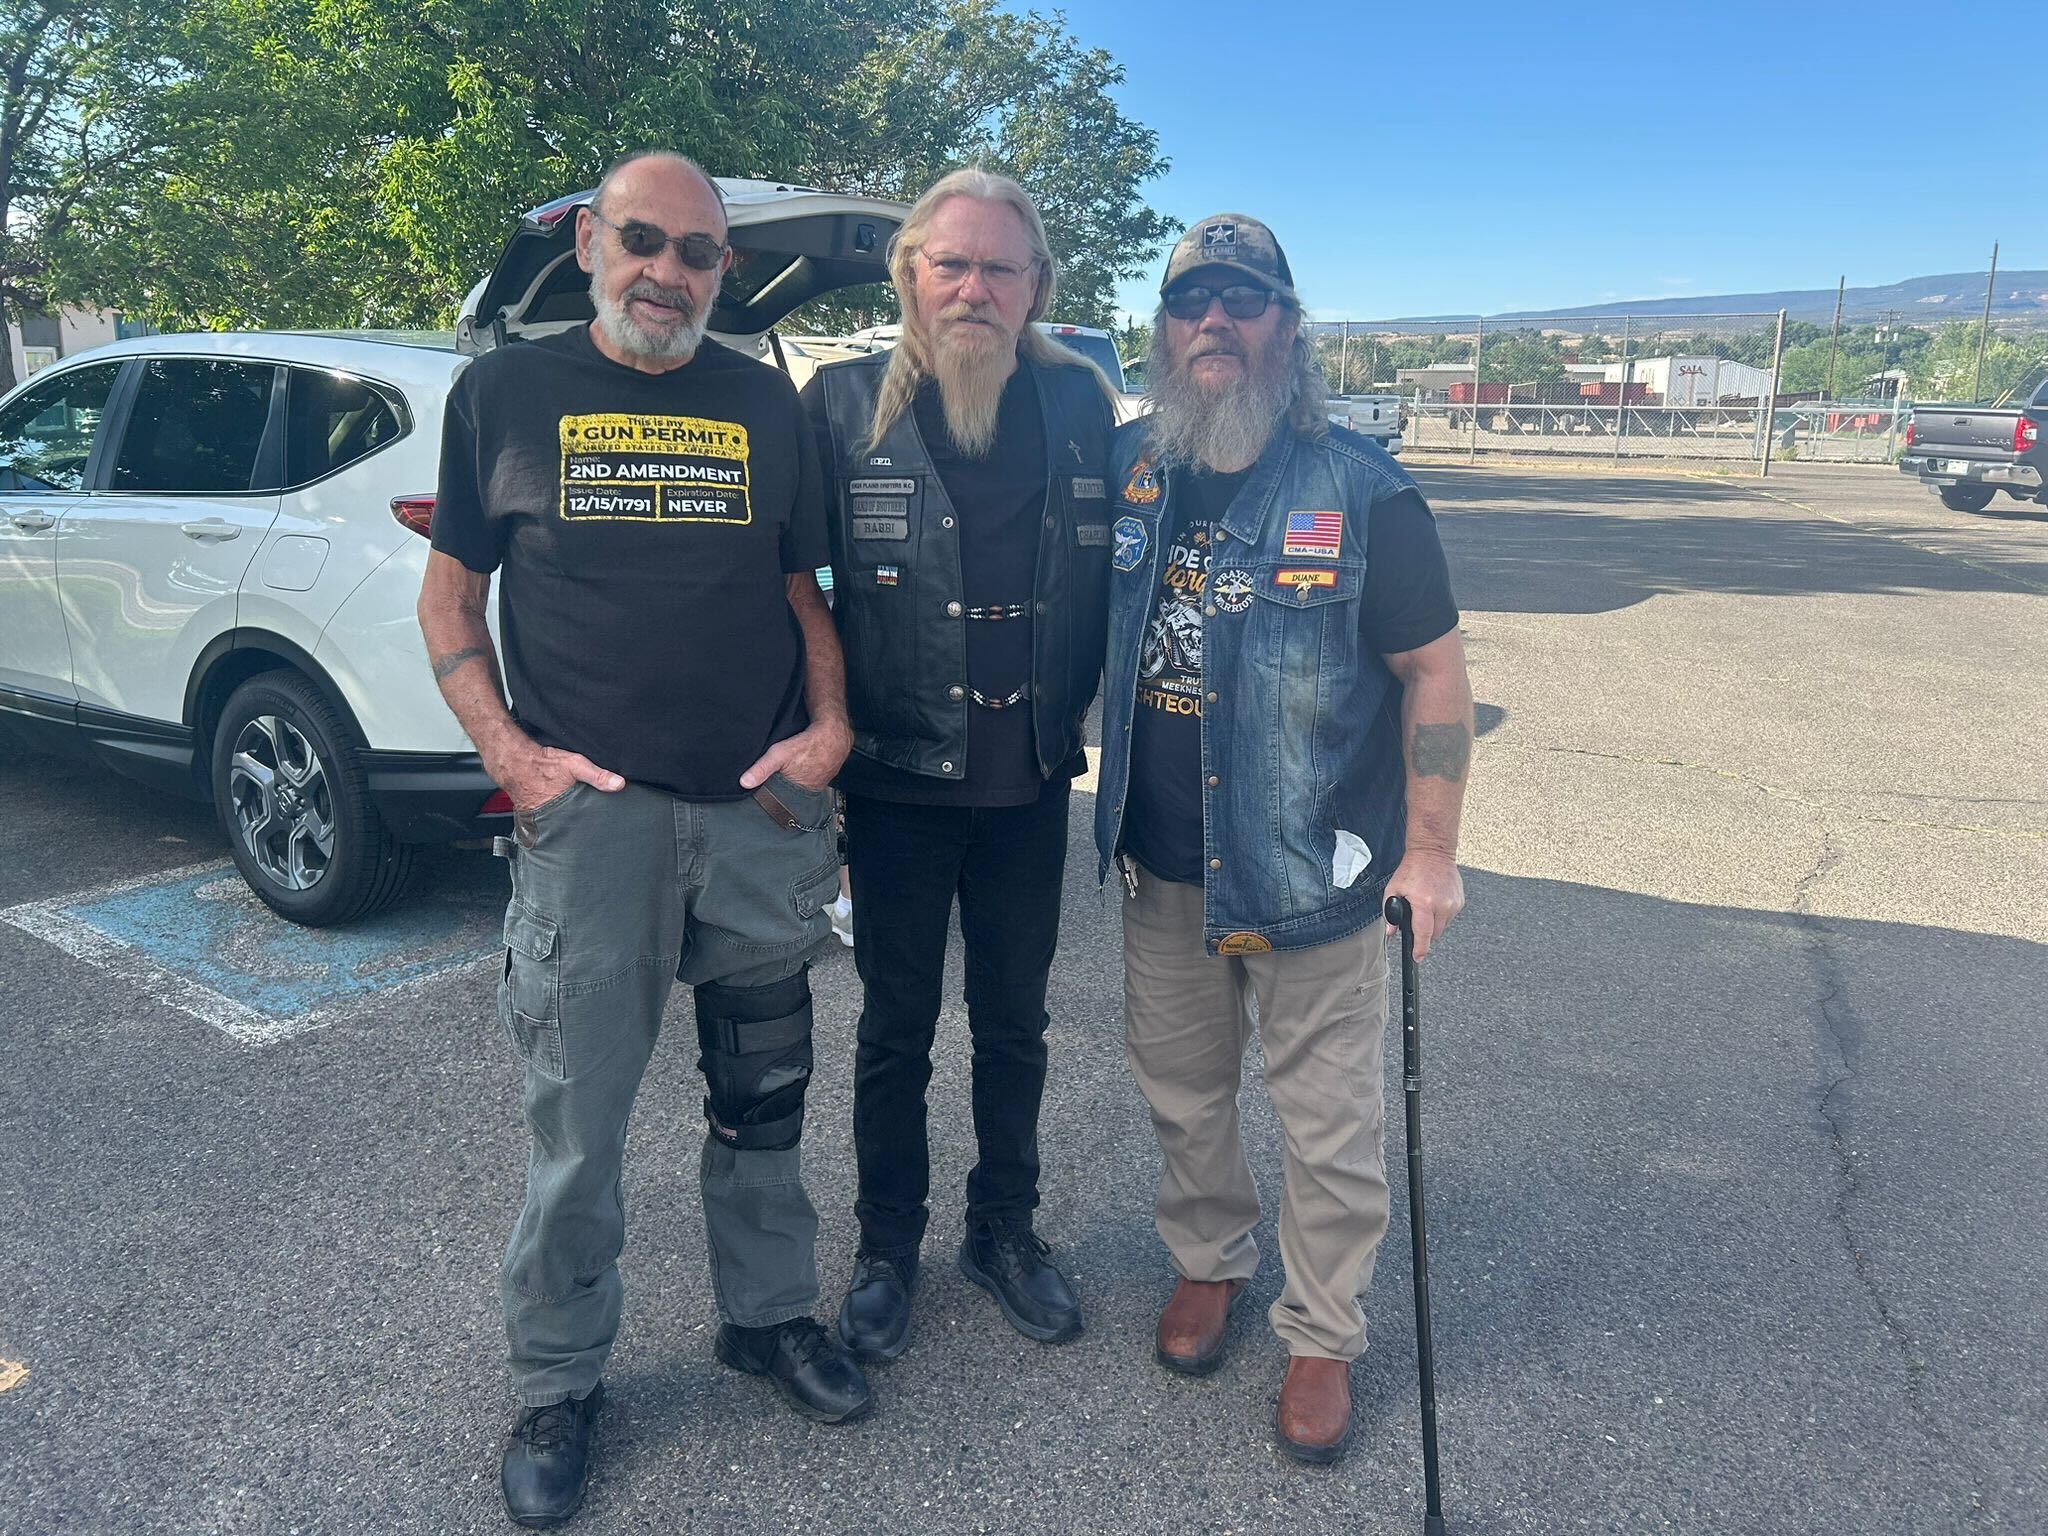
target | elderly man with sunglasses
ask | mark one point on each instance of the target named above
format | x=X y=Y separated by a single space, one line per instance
x=970 y=562
x=653 y=501
x=1287 y=724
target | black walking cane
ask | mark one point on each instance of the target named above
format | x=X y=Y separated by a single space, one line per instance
x=1402 y=917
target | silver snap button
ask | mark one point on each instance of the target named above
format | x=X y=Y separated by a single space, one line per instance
x=945 y=522
x=954 y=610
x=1215 y=863
x=945 y=767
x=956 y=692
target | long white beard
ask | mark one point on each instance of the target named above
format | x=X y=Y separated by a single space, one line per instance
x=629 y=335
x=971 y=368
x=1192 y=425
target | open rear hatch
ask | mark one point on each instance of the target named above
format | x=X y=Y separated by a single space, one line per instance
x=790 y=245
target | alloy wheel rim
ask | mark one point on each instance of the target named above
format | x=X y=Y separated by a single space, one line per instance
x=283 y=803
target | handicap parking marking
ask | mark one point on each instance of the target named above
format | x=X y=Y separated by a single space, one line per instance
x=198 y=940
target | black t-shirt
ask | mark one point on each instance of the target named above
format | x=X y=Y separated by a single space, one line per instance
x=1406 y=604
x=645 y=525
x=1000 y=502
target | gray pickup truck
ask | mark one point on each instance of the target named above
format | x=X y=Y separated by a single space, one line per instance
x=1968 y=453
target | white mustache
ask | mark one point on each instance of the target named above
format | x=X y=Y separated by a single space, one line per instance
x=678 y=298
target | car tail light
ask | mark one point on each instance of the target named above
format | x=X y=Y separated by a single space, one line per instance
x=2025 y=433
x=1909 y=434
x=415 y=512
x=500 y=804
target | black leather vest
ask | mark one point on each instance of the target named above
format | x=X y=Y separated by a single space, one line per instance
x=896 y=590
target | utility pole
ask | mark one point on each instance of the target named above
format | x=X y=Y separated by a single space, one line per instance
x=1984 y=334
x=1834 y=336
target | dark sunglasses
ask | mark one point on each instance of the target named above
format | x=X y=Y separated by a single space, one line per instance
x=639 y=239
x=1241 y=301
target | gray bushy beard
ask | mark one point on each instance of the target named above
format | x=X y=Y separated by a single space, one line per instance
x=628 y=335
x=971 y=371
x=1192 y=425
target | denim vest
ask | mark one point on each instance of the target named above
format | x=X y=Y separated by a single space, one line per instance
x=1300 y=718
x=896 y=574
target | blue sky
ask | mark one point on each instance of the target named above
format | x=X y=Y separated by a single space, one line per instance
x=1452 y=158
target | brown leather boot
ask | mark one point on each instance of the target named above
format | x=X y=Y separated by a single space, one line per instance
x=1315 y=1408
x=1195 y=1325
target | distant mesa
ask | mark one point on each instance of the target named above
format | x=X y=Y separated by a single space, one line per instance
x=1947 y=295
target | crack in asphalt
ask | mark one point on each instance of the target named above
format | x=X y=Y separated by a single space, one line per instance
x=1800 y=796
x=1843 y=1031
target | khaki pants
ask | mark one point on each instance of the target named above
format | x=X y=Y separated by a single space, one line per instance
x=1321 y=1017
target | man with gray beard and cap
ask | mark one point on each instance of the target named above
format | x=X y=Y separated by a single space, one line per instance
x=970 y=561
x=1287 y=725
x=654 y=503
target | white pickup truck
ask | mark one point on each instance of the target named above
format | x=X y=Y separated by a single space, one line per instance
x=211 y=547
x=1379 y=417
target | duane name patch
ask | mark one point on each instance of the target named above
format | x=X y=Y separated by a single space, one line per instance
x=632 y=468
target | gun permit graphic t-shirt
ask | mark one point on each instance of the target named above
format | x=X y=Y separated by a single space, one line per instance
x=644 y=526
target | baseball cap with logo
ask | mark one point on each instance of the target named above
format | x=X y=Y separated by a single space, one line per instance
x=1232 y=240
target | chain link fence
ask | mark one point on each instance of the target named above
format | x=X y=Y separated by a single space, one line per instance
x=1620 y=387
x=1736 y=389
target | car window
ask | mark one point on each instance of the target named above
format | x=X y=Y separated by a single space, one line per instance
x=46 y=434
x=195 y=427
x=1099 y=350
x=332 y=420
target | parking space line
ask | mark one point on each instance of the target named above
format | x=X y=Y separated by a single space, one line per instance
x=190 y=937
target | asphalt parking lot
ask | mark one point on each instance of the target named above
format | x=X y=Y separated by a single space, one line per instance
x=1737 y=1130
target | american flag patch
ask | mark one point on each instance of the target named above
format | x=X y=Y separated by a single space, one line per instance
x=1314 y=534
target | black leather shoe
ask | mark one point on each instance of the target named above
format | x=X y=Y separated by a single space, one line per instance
x=1008 y=1260
x=808 y=1366
x=874 y=1322
x=547 y=1460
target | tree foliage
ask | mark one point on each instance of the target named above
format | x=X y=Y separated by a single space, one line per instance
x=74 y=76
x=338 y=162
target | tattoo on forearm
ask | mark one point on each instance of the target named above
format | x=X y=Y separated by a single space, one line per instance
x=446 y=666
x=1440 y=752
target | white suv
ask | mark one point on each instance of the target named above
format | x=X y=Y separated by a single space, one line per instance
x=211 y=548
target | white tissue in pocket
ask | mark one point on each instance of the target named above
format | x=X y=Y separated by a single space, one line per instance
x=1351 y=859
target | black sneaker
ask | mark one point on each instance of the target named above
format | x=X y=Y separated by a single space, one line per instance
x=874 y=1322
x=547 y=1460
x=1008 y=1260
x=808 y=1366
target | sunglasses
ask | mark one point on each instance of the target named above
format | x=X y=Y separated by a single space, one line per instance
x=1241 y=301
x=700 y=252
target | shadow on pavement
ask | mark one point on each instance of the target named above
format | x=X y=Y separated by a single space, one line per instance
x=1526 y=560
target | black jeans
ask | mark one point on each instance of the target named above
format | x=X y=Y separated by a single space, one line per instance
x=907 y=863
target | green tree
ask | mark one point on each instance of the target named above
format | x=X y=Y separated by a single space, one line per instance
x=1946 y=368
x=333 y=162
x=73 y=74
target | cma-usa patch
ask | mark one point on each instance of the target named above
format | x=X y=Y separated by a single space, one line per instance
x=1313 y=536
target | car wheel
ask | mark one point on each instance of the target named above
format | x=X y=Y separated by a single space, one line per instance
x=1966 y=498
x=289 y=785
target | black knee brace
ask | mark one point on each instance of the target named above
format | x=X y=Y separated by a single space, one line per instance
x=756 y=1060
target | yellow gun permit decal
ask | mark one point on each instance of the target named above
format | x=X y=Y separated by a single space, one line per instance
x=654 y=469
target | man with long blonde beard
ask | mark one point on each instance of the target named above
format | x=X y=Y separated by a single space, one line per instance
x=971 y=563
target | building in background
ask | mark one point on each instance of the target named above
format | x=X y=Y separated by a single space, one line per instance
x=36 y=341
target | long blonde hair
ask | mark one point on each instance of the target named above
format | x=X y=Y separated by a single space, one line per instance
x=910 y=361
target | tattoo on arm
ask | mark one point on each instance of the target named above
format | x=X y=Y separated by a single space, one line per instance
x=446 y=666
x=1440 y=751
